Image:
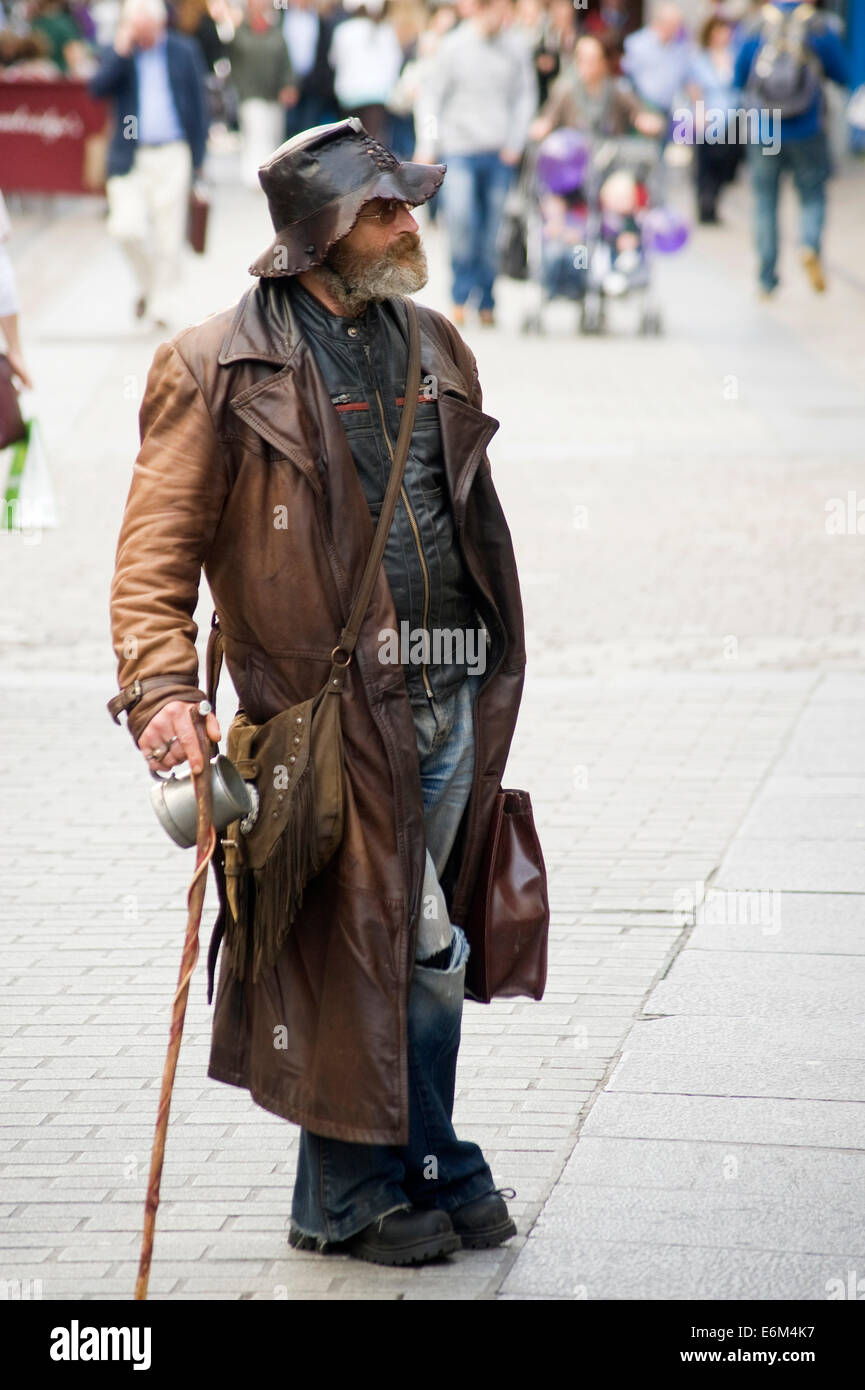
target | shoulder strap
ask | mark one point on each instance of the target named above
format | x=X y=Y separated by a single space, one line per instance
x=348 y=636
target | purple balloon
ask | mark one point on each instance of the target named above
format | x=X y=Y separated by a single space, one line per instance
x=563 y=158
x=665 y=230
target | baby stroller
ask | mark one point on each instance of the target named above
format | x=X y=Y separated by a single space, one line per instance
x=623 y=192
x=578 y=245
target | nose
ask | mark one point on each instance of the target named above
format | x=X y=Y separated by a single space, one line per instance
x=405 y=222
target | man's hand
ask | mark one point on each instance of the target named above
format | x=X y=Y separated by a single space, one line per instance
x=123 y=40
x=173 y=722
x=510 y=156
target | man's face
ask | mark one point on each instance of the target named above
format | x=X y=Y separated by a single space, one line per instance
x=146 y=30
x=667 y=22
x=590 y=60
x=378 y=259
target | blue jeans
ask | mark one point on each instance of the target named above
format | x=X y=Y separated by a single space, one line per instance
x=342 y=1187
x=473 y=196
x=808 y=162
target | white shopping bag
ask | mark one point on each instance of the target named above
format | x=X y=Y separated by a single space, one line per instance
x=28 y=499
x=856 y=108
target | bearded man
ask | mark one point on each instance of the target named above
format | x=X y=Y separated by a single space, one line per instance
x=267 y=438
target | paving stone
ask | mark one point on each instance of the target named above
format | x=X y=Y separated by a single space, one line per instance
x=835 y=1124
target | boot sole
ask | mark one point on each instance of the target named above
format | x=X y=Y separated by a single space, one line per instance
x=419 y=1253
x=486 y=1240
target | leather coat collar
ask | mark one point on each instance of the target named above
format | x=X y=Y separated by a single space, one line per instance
x=292 y=409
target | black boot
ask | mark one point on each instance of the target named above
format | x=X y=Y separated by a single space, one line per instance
x=485 y=1222
x=409 y=1237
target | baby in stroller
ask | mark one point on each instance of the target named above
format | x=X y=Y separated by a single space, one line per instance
x=621 y=254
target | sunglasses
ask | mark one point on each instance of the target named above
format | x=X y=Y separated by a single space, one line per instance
x=388 y=211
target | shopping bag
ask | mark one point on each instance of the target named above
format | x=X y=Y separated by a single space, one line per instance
x=28 y=498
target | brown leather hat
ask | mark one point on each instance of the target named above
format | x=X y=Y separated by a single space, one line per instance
x=317 y=183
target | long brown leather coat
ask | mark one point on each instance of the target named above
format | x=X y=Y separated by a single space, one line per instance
x=245 y=470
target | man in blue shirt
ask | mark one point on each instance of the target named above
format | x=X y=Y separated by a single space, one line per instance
x=156 y=80
x=796 y=142
x=657 y=58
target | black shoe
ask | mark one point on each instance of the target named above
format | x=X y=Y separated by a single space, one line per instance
x=407 y=1237
x=485 y=1222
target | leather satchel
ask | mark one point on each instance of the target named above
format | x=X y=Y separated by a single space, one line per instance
x=12 y=427
x=295 y=763
x=508 y=922
x=197 y=213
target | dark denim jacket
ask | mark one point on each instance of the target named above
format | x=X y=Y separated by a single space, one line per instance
x=363 y=361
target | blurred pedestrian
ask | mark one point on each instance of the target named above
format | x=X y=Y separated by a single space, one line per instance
x=554 y=49
x=609 y=22
x=480 y=96
x=263 y=79
x=156 y=82
x=658 y=57
x=9 y=308
x=53 y=19
x=587 y=97
x=194 y=17
x=714 y=94
x=781 y=67
x=367 y=58
x=307 y=31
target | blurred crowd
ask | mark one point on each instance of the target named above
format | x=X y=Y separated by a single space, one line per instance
x=473 y=83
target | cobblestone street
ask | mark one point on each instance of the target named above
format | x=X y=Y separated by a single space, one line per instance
x=683 y=1115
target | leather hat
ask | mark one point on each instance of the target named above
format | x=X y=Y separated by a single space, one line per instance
x=317 y=183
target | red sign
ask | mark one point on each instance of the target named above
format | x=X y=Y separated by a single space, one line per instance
x=53 y=138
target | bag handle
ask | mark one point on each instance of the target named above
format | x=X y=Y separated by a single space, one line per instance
x=349 y=635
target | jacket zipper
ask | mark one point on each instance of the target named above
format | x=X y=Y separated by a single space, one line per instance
x=415 y=532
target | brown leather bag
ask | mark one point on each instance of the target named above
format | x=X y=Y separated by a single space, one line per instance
x=197 y=213
x=12 y=427
x=509 y=918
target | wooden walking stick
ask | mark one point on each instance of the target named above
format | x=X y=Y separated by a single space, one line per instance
x=205 y=846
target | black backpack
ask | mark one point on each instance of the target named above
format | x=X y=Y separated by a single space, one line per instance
x=786 y=74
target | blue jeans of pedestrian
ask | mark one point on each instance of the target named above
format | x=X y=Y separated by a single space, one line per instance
x=473 y=197
x=808 y=162
x=342 y=1187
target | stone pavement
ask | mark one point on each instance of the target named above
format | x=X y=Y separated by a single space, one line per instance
x=696 y=641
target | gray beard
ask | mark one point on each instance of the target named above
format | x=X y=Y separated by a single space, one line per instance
x=353 y=280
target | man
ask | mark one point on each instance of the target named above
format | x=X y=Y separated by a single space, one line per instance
x=156 y=81
x=263 y=78
x=474 y=113
x=266 y=444
x=792 y=142
x=308 y=33
x=658 y=57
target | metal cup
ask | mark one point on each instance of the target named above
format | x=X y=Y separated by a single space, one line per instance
x=175 y=805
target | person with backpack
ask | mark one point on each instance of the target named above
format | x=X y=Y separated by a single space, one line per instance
x=782 y=65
